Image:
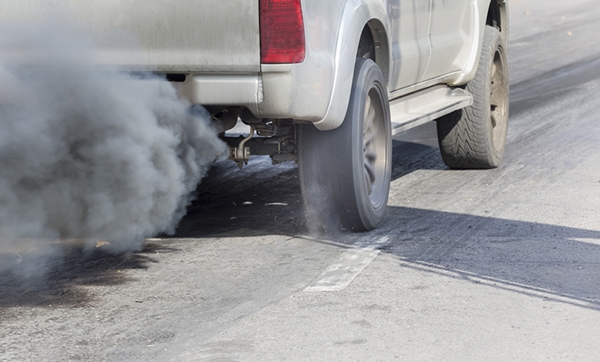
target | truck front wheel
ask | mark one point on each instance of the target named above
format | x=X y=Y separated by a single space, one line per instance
x=475 y=137
x=345 y=173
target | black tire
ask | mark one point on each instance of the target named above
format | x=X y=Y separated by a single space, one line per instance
x=345 y=173
x=475 y=137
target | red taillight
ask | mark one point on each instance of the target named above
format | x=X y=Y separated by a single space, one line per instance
x=281 y=32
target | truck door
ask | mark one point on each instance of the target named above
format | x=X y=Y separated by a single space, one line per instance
x=410 y=43
x=450 y=33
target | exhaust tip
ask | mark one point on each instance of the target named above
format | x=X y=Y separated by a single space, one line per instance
x=176 y=77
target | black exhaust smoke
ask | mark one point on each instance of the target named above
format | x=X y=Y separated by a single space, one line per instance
x=90 y=154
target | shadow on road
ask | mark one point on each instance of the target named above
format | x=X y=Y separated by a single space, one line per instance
x=410 y=157
x=544 y=261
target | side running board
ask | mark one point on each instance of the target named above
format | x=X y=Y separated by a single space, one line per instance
x=415 y=109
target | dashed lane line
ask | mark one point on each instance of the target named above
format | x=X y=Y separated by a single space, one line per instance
x=349 y=265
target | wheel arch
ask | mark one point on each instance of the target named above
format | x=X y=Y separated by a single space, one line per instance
x=375 y=35
x=487 y=12
x=497 y=16
x=357 y=16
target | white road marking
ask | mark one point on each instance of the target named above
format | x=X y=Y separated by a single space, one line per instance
x=341 y=273
x=592 y=241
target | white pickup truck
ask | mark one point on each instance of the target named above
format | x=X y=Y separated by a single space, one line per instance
x=325 y=83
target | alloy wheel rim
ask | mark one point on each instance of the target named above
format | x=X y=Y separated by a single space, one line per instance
x=498 y=100
x=374 y=148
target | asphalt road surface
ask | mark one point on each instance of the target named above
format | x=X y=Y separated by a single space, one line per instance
x=498 y=265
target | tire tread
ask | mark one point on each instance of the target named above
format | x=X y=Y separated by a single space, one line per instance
x=463 y=135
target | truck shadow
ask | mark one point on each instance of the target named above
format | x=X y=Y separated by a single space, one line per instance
x=410 y=157
x=540 y=260
x=548 y=262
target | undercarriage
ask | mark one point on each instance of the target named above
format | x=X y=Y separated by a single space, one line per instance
x=275 y=138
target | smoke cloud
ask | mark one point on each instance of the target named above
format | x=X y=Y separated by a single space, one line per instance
x=90 y=153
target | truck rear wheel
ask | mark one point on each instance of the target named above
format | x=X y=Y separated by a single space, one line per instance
x=475 y=137
x=345 y=173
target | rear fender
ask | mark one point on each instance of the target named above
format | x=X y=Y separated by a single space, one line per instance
x=355 y=16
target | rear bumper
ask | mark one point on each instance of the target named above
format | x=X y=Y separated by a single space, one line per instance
x=279 y=92
x=223 y=90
